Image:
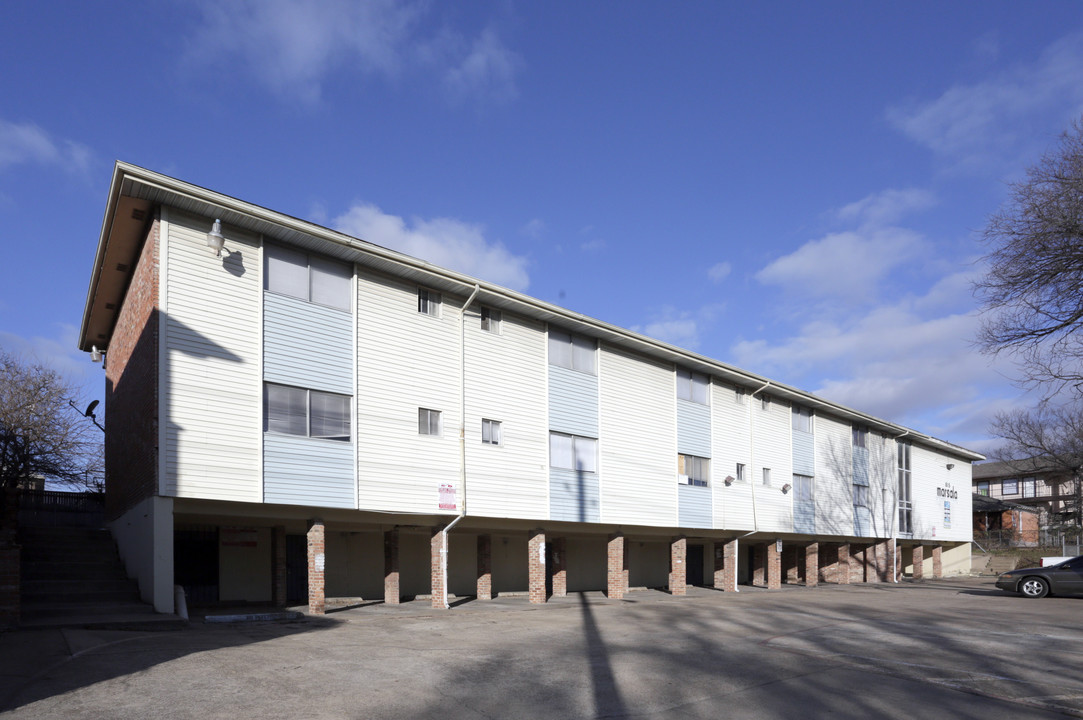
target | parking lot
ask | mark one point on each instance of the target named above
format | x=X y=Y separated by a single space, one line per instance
x=952 y=648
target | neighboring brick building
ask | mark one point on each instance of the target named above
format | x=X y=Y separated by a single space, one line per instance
x=998 y=523
x=309 y=415
x=1036 y=484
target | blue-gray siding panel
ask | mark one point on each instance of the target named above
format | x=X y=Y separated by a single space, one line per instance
x=804 y=516
x=307 y=345
x=694 y=506
x=573 y=496
x=804 y=453
x=573 y=402
x=862 y=521
x=693 y=428
x=307 y=471
x=861 y=466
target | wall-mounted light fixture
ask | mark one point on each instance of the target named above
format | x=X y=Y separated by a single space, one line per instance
x=215 y=239
x=786 y=488
x=95 y=354
x=951 y=465
x=728 y=480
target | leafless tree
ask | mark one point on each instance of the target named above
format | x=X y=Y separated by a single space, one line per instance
x=1048 y=439
x=1032 y=294
x=42 y=434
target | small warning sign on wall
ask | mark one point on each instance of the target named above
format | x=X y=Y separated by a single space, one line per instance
x=447 y=496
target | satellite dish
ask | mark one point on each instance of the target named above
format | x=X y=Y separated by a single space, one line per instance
x=90 y=409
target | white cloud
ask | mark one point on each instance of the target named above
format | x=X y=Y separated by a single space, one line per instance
x=293 y=46
x=534 y=228
x=679 y=327
x=886 y=207
x=59 y=353
x=595 y=245
x=446 y=242
x=27 y=143
x=970 y=122
x=719 y=272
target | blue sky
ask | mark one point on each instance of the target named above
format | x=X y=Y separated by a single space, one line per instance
x=794 y=188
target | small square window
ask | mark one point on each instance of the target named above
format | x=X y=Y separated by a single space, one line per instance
x=490 y=432
x=740 y=472
x=767 y=476
x=490 y=320
x=740 y=395
x=983 y=487
x=765 y=403
x=428 y=421
x=428 y=302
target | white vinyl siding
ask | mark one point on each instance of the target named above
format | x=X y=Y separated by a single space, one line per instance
x=929 y=473
x=771 y=441
x=573 y=352
x=506 y=380
x=730 y=447
x=834 y=464
x=212 y=395
x=638 y=440
x=405 y=361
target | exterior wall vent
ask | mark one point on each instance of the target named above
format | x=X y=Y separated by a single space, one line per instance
x=121 y=267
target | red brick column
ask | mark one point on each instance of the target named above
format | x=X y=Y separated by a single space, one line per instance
x=391 y=566
x=938 y=565
x=278 y=565
x=919 y=560
x=485 y=567
x=678 y=552
x=560 y=567
x=317 y=561
x=774 y=567
x=536 y=566
x=615 y=569
x=872 y=564
x=725 y=565
x=791 y=572
x=812 y=564
x=842 y=569
x=437 y=562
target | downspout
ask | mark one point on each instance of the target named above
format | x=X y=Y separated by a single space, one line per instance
x=462 y=443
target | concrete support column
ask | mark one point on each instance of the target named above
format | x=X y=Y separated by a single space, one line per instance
x=485 y=567
x=391 y=566
x=437 y=564
x=842 y=572
x=678 y=552
x=317 y=562
x=919 y=560
x=615 y=569
x=559 y=572
x=278 y=565
x=938 y=565
x=774 y=566
x=536 y=566
x=812 y=564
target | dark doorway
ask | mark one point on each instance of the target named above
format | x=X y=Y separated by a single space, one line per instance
x=195 y=563
x=296 y=569
x=694 y=567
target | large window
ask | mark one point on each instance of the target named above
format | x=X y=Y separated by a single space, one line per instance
x=804 y=488
x=801 y=418
x=1028 y=487
x=571 y=351
x=692 y=386
x=308 y=277
x=573 y=452
x=906 y=506
x=692 y=470
x=428 y=421
x=309 y=413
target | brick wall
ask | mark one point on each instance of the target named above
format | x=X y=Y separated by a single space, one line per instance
x=437 y=553
x=485 y=567
x=560 y=567
x=615 y=570
x=536 y=565
x=812 y=564
x=774 y=567
x=391 y=567
x=317 y=562
x=131 y=388
x=678 y=553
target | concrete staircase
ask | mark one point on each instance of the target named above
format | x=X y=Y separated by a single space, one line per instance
x=991 y=564
x=73 y=577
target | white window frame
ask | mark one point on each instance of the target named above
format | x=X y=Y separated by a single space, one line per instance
x=801 y=419
x=693 y=386
x=693 y=470
x=982 y=488
x=429 y=422
x=804 y=488
x=1029 y=487
x=584 y=452
x=740 y=472
x=904 y=489
x=429 y=302
x=491 y=432
x=491 y=320
x=1012 y=483
x=861 y=495
x=860 y=436
x=767 y=476
x=765 y=402
x=309 y=395
x=570 y=351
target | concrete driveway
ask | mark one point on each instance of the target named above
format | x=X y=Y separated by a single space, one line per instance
x=953 y=648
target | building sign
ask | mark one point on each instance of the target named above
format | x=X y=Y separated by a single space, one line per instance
x=947 y=514
x=948 y=493
x=447 y=496
x=239 y=537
